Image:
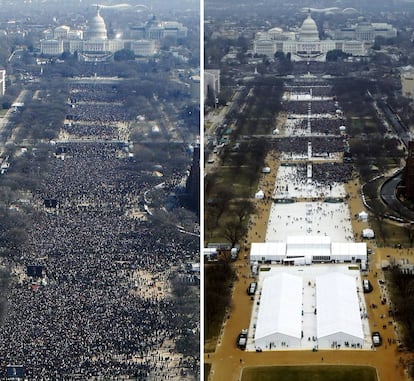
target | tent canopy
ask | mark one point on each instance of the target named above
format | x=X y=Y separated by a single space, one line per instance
x=368 y=233
x=259 y=194
x=338 y=306
x=280 y=307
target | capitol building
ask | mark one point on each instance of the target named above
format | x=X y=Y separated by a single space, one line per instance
x=306 y=45
x=94 y=45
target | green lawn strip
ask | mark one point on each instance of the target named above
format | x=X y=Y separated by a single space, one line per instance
x=310 y=373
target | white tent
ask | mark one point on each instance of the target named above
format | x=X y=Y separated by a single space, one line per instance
x=363 y=216
x=279 y=320
x=338 y=315
x=310 y=245
x=267 y=251
x=368 y=233
x=349 y=251
x=259 y=195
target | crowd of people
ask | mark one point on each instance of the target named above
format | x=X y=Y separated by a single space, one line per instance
x=94 y=92
x=95 y=111
x=302 y=88
x=96 y=130
x=91 y=316
x=315 y=107
x=321 y=146
x=105 y=113
x=328 y=126
x=330 y=173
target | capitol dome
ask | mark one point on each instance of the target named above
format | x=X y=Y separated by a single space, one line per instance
x=97 y=27
x=309 y=30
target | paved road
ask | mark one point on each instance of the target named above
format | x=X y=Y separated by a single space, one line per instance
x=388 y=191
x=4 y=121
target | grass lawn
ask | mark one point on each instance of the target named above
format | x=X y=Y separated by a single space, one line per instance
x=310 y=373
x=392 y=234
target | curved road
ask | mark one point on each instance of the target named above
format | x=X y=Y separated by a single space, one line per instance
x=388 y=191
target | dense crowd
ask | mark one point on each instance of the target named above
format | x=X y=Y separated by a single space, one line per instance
x=92 y=316
x=97 y=130
x=304 y=87
x=105 y=113
x=315 y=90
x=95 y=111
x=94 y=92
x=313 y=107
x=321 y=146
x=328 y=126
x=330 y=173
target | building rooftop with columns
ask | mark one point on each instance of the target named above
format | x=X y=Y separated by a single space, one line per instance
x=304 y=44
x=94 y=40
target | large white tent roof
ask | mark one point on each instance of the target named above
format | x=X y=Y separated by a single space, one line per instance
x=311 y=245
x=349 y=249
x=271 y=251
x=337 y=306
x=280 y=307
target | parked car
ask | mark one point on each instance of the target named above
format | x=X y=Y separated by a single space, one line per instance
x=242 y=339
x=376 y=339
x=367 y=286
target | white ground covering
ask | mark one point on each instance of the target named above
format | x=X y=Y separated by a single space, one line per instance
x=309 y=218
x=309 y=275
x=292 y=181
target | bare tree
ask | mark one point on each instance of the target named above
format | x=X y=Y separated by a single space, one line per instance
x=234 y=231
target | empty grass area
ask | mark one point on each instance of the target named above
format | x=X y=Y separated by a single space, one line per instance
x=241 y=180
x=310 y=373
x=389 y=235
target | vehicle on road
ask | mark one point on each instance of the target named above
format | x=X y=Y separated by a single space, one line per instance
x=251 y=290
x=242 y=339
x=376 y=339
x=367 y=286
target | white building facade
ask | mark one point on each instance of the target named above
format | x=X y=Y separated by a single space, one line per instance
x=145 y=48
x=95 y=39
x=304 y=45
